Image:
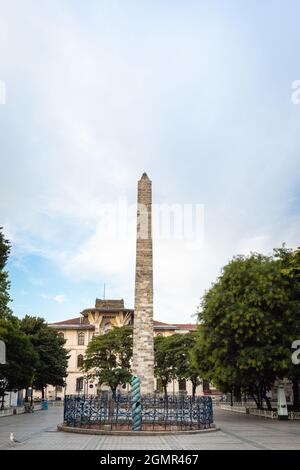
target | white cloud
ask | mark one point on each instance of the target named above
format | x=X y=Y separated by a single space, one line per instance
x=59 y=298
x=98 y=99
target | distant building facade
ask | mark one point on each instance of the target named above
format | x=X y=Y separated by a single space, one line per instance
x=98 y=320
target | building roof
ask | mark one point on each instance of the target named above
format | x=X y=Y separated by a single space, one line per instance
x=71 y=321
x=158 y=325
x=80 y=322
x=107 y=306
x=105 y=310
x=188 y=326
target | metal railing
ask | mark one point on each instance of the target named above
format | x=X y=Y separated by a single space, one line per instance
x=159 y=412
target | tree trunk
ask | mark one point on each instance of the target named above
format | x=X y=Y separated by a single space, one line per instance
x=194 y=389
x=258 y=396
x=26 y=394
x=259 y=401
x=2 y=401
x=165 y=385
x=43 y=393
x=268 y=403
x=111 y=403
x=256 y=401
x=237 y=394
x=296 y=401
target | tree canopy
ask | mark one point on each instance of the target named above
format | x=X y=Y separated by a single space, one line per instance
x=108 y=357
x=173 y=359
x=21 y=359
x=51 y=367
x=5 y=311
x=35 y=353
x=248 y=319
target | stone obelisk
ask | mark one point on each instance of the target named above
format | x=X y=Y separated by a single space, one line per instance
x=143 y=350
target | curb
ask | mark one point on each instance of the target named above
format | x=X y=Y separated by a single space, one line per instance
x=64 y=428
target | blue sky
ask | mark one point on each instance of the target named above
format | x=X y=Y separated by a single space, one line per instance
x=198 y=94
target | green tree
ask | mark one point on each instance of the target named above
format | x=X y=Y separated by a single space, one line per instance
x=205 y=360
x=246 y=321
x=183 y=345
x=21 y=358
x=51 y=368
x=173 y=359
x=290 y=267
x=5 y=312
x=164 y=362
x=108 y=358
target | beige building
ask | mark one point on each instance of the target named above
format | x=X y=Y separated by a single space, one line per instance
x=97 y=321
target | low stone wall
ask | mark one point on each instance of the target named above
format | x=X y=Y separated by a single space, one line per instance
x=270 y=414
x=17 y=410
x=6 y=412
x=294 y=415
x=51 y=404
x=235 y=409
x=263 y=413
x=127 y=432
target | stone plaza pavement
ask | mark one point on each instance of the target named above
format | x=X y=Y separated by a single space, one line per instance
x=38 y=431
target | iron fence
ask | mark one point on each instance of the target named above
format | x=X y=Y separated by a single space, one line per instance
x=159 y=412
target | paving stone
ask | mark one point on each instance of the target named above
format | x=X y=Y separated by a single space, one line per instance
x=38 y=431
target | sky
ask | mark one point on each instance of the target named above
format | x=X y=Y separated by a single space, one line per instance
x=197 y=94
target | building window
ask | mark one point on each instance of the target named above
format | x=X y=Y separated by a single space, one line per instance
x=80 y=360
x=79 y=384
x=182 y=385
x=61 y=335
x=81 y=339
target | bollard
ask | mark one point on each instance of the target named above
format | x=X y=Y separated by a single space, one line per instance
x=45 y=404
x=282 y=409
